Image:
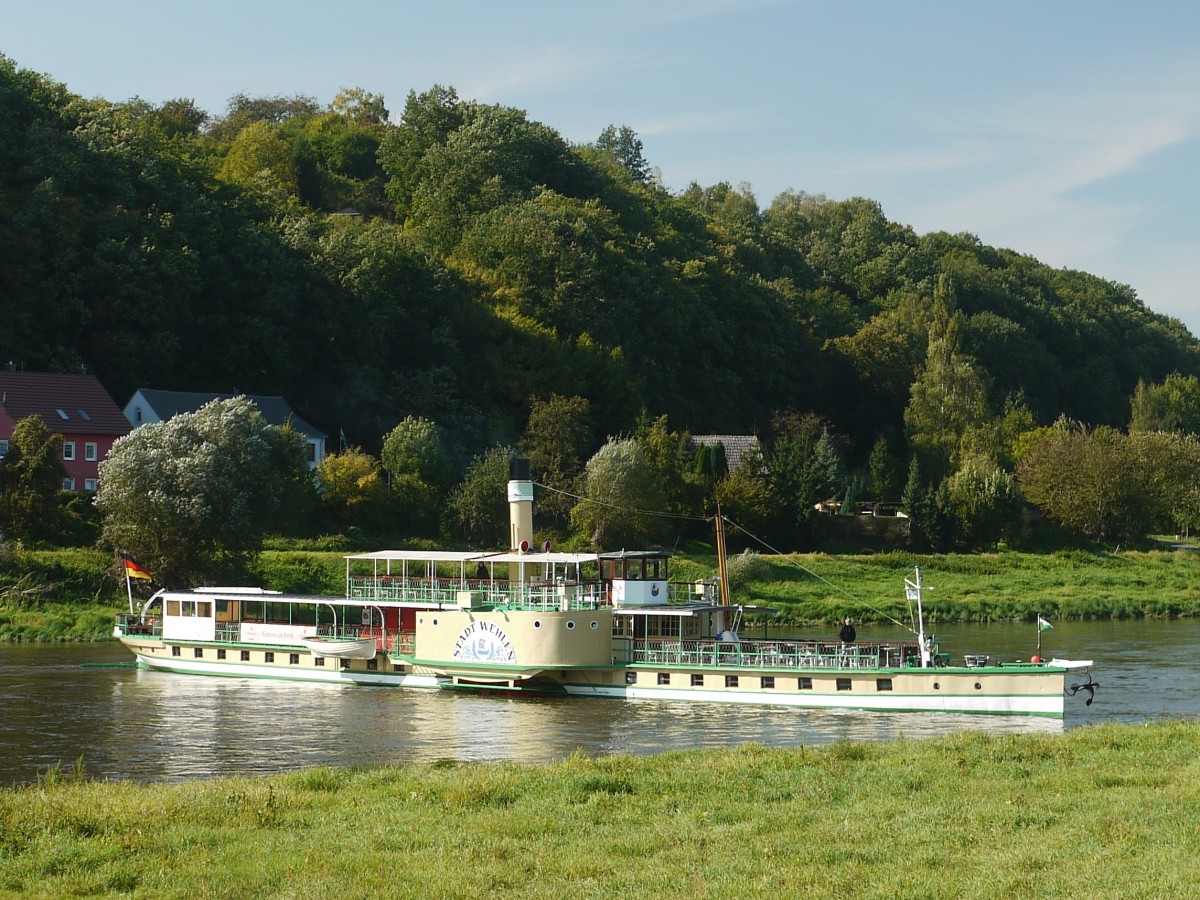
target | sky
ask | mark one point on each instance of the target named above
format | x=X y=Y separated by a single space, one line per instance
x=1066 y=130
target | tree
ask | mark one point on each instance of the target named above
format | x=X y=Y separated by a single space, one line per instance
x=193 y=496
x=947 y=404
x=31 y=476
x=478 y=507
x=352 y=489
x=626 y=148
x=557 y=437
x=622 y=495
x=261 y=161
x=360 y=106
x=1173 y=405
x=987 y=505
x=414 y=447
x=1090 y=481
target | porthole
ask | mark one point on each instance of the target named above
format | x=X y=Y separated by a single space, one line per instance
x=537 y=623
x=595 y=624
x=978 y=686
x=435 y=622
x=937 y=686
x=421 y=621
x=570 y=626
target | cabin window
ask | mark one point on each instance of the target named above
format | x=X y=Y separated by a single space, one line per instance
x=622 y=626
x=293 y=659
x=269 y=656
x=245 y=656
x=663 y=626
x=697 y=681
x=345 y=663
x=843 y=684
x=198 y=652
x=372 y=664
x=570 y=625
x=664 y=677
x=978 y=686
x=175 y=651
x=187 y=609
x=804 y=684
x=220 y=653
x=883 y=684
x=768 y=682
x=631 y=677
x=731 y=681
x=372 y=617
x=689 y=628
x=204 y=609
x=319 y=661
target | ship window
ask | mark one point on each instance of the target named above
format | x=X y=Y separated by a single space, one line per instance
x=843 y=684
x=345 y=663
x=198 y=653
x=220 y=653
x=768 y=682
x=172 y=607
x=204 y=609
x=319 y=661
x=805 y=684
x=245 y=656
x=664 y=677
x=269 y=656
x=883 y=684
x=175 y=651
x=937 y=686
x=731 y=681
x=697 y=681
x=293 y=659
x=570 y=626
x=372 y=664
x=978 y=686
x=595 y=624
x=537 y=623
x=631 y=677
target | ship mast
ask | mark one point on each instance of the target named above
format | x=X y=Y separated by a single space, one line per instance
x=722 y=568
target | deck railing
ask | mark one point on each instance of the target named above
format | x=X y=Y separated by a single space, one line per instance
x=503 y=594
x=759 y=654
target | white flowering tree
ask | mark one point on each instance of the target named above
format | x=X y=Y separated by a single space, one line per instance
x=190 y=498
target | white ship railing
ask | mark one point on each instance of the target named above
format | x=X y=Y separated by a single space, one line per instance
x=758 y=654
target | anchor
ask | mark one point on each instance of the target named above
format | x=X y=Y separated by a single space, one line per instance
x=1090 y=686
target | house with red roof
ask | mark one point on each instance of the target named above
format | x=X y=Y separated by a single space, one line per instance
x=76 y=407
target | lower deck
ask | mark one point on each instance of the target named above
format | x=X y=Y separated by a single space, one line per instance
x=1012 y=689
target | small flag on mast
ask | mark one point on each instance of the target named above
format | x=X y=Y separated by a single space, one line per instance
x=1043 y=624
x=133 y=570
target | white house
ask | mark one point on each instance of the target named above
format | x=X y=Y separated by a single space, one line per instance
x=147 y=406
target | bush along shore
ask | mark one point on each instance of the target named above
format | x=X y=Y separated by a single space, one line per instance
x=72 y=595
x=1100 y=811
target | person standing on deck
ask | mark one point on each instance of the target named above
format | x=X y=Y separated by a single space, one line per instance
x=847 y=636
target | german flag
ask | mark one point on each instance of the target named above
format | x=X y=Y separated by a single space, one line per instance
x=133 y=570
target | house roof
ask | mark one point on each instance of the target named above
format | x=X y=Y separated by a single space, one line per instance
x=736 y=445
x=67 y=403
x=274 y=409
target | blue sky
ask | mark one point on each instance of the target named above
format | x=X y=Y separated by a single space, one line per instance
x=1063 y=129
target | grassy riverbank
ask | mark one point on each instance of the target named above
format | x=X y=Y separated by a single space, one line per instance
x=1104 y=811
x=71 y=595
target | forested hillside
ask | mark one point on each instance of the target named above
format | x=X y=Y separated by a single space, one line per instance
x=460 y=263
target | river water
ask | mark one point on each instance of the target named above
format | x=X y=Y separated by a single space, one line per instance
x=66 y=704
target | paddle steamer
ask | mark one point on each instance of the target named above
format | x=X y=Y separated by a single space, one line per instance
x=576 y=624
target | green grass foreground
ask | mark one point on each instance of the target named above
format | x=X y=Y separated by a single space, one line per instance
x=1100 y=811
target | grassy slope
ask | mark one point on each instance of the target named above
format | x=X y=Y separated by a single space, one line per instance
x=806 y=588
x=1104 y=811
